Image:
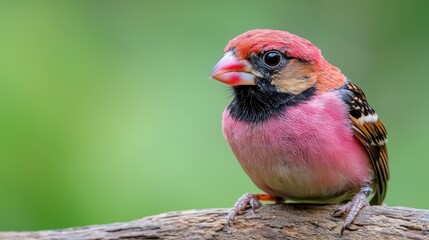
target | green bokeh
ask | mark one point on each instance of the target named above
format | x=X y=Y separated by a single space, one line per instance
x=107 y=113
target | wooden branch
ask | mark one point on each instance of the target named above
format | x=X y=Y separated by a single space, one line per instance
x=281 y=221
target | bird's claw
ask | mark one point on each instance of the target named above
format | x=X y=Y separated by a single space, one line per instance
x=353 y=207
x=343 y=209
x=248 y=199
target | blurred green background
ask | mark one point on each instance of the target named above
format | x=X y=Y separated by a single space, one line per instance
x=107 y=112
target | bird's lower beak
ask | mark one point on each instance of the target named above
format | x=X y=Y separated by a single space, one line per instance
x=233 y=71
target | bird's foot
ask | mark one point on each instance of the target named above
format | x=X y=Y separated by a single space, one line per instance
x=249 y=200
x=353 y=207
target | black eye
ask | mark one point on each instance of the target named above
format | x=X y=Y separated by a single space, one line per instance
x=272 y=58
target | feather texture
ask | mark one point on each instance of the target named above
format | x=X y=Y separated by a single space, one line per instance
x=306 y=153
x=372 y=134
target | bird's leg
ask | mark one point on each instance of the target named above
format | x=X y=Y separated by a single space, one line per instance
x=353 y=207
x=249 y=200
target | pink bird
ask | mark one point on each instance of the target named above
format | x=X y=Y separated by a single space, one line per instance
x=299 y=128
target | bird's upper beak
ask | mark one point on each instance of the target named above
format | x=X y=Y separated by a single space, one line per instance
x=232 y=71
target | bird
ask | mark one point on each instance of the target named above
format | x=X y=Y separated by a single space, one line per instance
x=300 y=129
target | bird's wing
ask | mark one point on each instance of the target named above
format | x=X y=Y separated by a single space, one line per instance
x=372 y=134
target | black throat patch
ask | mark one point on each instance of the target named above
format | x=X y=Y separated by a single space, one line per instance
x=256 y=104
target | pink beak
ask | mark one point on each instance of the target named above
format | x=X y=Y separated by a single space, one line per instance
x=233 y=71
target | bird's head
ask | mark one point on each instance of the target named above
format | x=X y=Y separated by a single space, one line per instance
x=274 y=61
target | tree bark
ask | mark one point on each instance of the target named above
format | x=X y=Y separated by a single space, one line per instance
x=277 y=221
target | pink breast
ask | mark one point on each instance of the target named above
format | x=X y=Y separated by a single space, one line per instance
x=309 y=152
